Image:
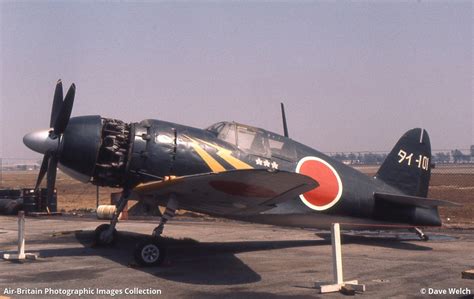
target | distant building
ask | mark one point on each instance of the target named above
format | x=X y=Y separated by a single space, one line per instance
x=20 y=167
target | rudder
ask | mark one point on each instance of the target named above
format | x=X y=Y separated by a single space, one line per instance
x=408 y=166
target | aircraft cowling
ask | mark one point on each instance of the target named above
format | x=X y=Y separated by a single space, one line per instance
x=152 y=151
x=80 y=146
x=95 y=149
x=110 y=168
x=110 y=152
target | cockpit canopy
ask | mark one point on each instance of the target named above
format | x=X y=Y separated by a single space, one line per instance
x=254 y=141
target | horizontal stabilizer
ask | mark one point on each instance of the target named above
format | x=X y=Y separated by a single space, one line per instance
x=414 y=200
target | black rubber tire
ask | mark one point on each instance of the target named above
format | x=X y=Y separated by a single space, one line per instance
x=99 y=230
x=150 y=253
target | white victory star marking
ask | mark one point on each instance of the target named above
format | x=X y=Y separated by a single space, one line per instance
x=274 y=165
x=266 y=163
x=259 y=161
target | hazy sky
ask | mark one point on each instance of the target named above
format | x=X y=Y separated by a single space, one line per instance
x=354 y=76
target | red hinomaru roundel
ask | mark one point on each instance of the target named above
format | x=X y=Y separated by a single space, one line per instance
x=330 y=186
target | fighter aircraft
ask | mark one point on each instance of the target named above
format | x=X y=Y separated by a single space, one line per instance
x=231 y=170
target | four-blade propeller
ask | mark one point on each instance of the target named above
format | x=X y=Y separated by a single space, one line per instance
x=50 y=144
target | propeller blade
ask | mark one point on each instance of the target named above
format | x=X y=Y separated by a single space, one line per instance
x=65 y=113
x=51 y=178
x=57 y=103
x=43 y=169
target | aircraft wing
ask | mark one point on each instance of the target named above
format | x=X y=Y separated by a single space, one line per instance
x=230 y=192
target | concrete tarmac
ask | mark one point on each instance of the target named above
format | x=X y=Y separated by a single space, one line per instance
x=225 y=259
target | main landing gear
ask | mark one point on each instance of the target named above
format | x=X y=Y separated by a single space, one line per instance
x=105 y=234
x=152 y=252
x=149 y=252
x=169 y=213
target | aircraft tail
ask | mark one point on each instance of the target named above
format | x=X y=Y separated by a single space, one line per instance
x=408 y=166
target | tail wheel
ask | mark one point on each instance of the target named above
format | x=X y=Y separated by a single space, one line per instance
x=150 y=253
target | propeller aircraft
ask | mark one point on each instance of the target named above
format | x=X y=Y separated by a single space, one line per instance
x=234 y=171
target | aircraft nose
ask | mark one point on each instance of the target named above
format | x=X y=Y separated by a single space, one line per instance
x=40 y=141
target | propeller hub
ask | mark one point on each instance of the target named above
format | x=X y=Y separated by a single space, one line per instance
x=41 y=141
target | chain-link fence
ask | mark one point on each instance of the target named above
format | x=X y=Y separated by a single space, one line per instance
x=452 y=179
x=450 y=168
x=453 y=156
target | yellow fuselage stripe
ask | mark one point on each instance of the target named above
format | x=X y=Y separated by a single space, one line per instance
x=210 y=161
x=227 y=156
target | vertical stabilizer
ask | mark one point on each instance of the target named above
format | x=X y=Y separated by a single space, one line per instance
x=408 y=166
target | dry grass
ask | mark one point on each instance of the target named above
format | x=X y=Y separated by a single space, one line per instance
x=454 y=183
x=457 y=188
x=73 y=195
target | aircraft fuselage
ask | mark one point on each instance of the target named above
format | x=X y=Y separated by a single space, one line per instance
x=130 y=154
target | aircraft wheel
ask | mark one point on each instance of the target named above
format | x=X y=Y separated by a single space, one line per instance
x=150 y=253
x=102 y=236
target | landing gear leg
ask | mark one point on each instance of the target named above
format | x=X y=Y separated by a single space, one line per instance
x=421 y=234
x=169 y=213
x=152 y=252
x=105 y=233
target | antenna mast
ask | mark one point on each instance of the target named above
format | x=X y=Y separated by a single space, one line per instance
x=285 y=127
